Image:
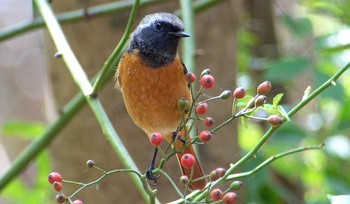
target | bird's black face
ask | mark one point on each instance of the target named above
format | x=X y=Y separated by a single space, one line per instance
x=157 y=38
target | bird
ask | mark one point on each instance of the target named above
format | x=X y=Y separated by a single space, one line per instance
x=152 y=78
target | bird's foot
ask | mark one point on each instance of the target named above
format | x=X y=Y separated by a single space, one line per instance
x=150 y=176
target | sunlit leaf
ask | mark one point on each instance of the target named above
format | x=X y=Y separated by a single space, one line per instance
x=23 y=129
x=277 y=99
x=283 y=113
x=300 y=27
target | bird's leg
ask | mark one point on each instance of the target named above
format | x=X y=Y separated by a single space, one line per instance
x=149 y=174
x=175 y=134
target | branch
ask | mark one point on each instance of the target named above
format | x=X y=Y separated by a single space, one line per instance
x=82 y=81
x=267 y=135
x=23 y=159
x=71 y=16
x=271 y=159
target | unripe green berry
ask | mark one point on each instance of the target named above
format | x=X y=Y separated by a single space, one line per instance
x=235 y=185
x=225 y=94
x=184 y=104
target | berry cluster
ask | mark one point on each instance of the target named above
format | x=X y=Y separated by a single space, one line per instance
x=243 y=105
x=56 y=180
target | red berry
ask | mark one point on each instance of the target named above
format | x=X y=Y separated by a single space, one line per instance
x=188 y=160
x=156 y=139
x=201 y=108
x=57 y=186
x=264 y=88
x=274 y=120
x=190 y=77
x=216 y=194
x=77 y=202
x=220 y=171
x=230 y=198
x=205 y=136
x=239 y=93
x=208 y=121
x=207 y=81
x=54 y=176
x=60 y=198
x=184 y=179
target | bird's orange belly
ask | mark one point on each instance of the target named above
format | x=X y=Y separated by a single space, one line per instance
x=151 y=94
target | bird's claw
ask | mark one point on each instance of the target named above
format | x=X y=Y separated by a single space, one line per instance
x=175 y=134
x=150 y=176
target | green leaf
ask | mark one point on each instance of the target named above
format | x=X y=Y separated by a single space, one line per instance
x=277 y=99
x=300 y=27
x=23 y=129
x=270 y=109
x=39 y=191
x=286 y=69
x=283 y=113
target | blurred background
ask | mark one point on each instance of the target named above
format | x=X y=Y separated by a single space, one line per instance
x=294 y=44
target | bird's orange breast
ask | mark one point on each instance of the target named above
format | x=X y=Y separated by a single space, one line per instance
x=151 y=94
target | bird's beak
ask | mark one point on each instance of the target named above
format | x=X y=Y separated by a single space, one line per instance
x=180 y=34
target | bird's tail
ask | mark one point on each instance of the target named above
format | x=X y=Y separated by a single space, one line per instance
x=196 y=171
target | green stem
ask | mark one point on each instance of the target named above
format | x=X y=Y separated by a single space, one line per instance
x=71 y=16
x=63 y=47
x=69 y=110
x=98 y=180
x=324 y=86
x=77 y=15
x=172 y=182
x=188 y=46
x=266 y=136
x=80 y=78
x=34 y=148
x=113 y=59
x=271 y=159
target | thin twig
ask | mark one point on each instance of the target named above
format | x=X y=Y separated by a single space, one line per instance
x=267 y=135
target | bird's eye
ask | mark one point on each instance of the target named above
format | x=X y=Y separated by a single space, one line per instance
x=159 y=26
